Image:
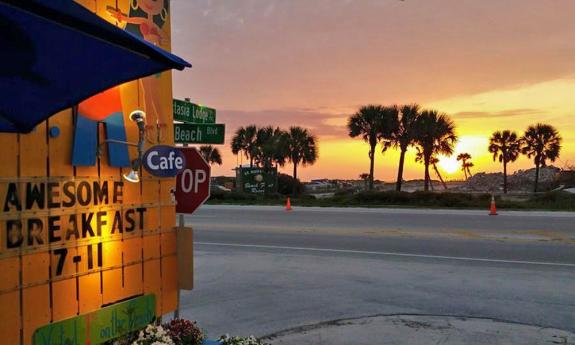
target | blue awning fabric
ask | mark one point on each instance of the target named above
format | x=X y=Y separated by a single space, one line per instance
x=55 y=54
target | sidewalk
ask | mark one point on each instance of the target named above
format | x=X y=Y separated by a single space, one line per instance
x=420 y=330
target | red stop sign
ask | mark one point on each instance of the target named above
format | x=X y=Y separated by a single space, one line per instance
x=192 y=184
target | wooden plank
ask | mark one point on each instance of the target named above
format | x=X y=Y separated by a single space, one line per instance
x=151 y=247
x=168 y=217
x=169 y=284
x=131 y=102
x=10 y=323
x=89 y=4
x=89 y=294
x=133 y=281
x=166 y=188
x=133 y=250
x=34 y=152
x=112 y=289
x=62 y=262
x=105 y=169
x=112 y=254
x=36 y=310
x=151 y=191
x=132 y=194
x=169 y=243
x=60 y=147
x=102 y=10
x=15 y=200
x=9 y=145
x=33 y=187
x=84 y=252
x=153 y=282
x=64 y=299
x=167 y=107
x=152 y=220
x=10 y=268
x=35 y=268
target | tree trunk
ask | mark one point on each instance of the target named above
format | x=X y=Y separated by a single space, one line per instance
x=439 y=175
x=426 y=163
x=469 y=173
x=504 y=177
x=400 y=170
x=371 y=166
x=294 y=190
x=465 y=173
x=536 y=176
x=295 y=171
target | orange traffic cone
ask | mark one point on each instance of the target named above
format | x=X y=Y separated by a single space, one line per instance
x=493 y=209
x=288 y=205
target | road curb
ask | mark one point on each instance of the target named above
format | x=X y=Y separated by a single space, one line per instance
x=420 y=329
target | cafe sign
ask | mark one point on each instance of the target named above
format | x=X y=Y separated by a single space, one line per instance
x=164 y=161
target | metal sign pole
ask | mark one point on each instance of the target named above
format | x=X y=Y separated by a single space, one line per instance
x=181 y=225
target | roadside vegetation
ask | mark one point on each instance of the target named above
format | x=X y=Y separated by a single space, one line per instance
x=268 y=147
x=552 y=201
x=433 y=134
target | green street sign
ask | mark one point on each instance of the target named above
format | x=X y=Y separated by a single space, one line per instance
x=190 y=133
x=192 y=113
x=100 y=326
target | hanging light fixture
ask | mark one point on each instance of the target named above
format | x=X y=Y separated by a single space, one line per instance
x=139 y=117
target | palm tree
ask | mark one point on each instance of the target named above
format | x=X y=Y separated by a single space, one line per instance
x=541 y=142
x=302 y=148
x=505 y=147
x=211 y=154
x=433 y=162
x=245 y=141
x=466 y=164
x=404 y=136
x=270 y=147
x=435 y=135
x=374 y=123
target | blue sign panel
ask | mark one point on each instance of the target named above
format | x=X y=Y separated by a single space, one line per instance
x=164 y=161
x=85 y=144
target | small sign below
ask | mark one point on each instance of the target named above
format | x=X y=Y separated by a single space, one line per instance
x=187 y=133
x=192 y=113
x=100 y=326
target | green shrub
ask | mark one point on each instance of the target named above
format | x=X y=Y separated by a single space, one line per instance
x=287 y=185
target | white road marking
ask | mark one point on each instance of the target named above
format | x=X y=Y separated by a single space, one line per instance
x=347 y=251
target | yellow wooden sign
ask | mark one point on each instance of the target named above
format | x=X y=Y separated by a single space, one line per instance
x=76 y=238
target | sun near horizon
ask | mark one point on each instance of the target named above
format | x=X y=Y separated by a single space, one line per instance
x=488 y=65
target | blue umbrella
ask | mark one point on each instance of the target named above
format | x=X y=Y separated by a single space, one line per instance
x=56 y=53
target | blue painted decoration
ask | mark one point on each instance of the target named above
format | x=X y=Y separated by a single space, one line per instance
x=54 y=132
x=164 y=161
x=85 y=144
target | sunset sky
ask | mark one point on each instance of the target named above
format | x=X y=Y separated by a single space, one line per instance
x=489 y=64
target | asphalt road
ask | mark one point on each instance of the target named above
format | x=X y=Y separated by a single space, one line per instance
x=260 y=270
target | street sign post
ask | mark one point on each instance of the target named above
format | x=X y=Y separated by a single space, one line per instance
x=193 y=184
x=192 y=113
x=188 y=133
